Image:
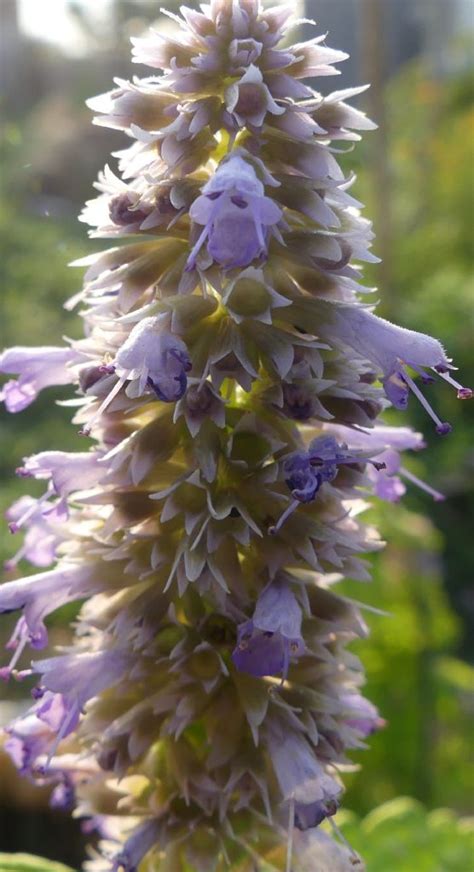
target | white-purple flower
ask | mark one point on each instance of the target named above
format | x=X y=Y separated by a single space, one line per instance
x=37 y=368
x=387 y=443
x=392 y=350
x=77 y=678
x=306 y=470
x=150 y=359
x=37 y=596
x=304 y=784
x=272 y=637
x=361 y=714
x=43 y=522
x=32 y=735
x=236 y=215
x=66 y=472
x=136 y=847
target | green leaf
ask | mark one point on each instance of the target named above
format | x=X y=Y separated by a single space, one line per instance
x=28 y=863
x=401 y=836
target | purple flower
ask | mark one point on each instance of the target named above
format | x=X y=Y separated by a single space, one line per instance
x=302 y=779
x=37 y=368
x=236 y=215
x=306 y=471
x=66 y=472
x=32 y=735
x=43 y=521
x=38 y=595
x=63 y=795
x=300 y=477
x=77 y=678
x=266 y=643
x=387 y=443
x=152 y=358
x=136 y=847
x=156 y=358
x=392 y=349
x=361 y=715
x=311 y=814
x=20 y=638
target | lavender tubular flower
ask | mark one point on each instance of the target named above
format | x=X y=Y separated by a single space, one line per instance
x=273 y=635
x=232 y=381
x=37 y=368
x=235 y=214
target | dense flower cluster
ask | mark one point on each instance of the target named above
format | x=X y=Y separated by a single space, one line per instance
x=231 y=377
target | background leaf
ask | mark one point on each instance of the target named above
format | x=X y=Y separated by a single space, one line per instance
x=28 y=863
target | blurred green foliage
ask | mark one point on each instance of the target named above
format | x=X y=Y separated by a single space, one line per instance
x=27 y=863
x=401 y=836
x=414 y=674
x=421 y=689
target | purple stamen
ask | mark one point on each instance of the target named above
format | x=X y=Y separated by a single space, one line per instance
x=437 y=496
x=442 y=428
x=463 y=393
x=273 y=530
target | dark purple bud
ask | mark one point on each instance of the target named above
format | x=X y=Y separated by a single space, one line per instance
x=122 y=213
x=300 y=477
x=312 y=814
x=298 y=402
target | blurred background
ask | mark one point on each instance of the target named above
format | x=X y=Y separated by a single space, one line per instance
x=416 y=177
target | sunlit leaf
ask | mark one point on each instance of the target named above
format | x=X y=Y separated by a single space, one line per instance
x=28 y=863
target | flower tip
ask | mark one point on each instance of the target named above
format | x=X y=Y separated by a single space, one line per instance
x=465 y=393
x=443 y=429
x=85 y=431
x=8 y=565
x=5 y=673
x=20 y=675
x=13 y=527
x=23 y=472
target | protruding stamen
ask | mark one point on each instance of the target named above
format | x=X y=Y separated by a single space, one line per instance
x=15 y=526
x=12 y=562
x=273 y=530
x=442 y=428
x=18 y=652
x=463 y=393
x=437 y=496
x=75 y=710
x=291 y=828
x=104 y=405
x=354 y=858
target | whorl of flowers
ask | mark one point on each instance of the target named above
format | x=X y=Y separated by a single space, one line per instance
x=231 y=378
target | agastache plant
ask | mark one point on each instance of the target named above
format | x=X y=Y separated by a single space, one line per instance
x=231 y=379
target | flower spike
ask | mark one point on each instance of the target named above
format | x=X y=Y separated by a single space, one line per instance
x=229 y=373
